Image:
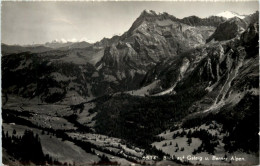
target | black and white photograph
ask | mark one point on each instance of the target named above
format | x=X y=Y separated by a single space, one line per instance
x=130 y=83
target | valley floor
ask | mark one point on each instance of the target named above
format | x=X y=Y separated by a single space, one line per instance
x=65 y=140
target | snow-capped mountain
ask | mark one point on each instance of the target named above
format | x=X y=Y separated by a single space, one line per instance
x=58 y=43
x=230 y=14
x=73 y=40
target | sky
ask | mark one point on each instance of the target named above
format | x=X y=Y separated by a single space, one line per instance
x=40 y=22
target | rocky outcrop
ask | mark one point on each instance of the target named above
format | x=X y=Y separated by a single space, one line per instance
x=252 y=18
x=219 y=68
x=196 y=21
x=228 y=30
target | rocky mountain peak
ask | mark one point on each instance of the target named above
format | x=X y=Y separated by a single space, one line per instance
x=150 y=16
x=252 y=18
x=148 y=13
x=229 y=29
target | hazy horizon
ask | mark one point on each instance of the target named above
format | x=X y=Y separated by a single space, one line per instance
x=40 y=22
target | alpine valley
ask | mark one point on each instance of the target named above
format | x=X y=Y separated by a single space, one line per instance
x=168 y=91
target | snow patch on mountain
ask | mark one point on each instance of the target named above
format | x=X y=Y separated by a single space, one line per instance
x=230 y=14
x=72 y=40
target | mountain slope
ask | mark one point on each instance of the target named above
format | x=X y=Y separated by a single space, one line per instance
x=233 y=27
x=228 y=29
x=152 y=38
x=218 y=82
x=252 y=18
x=12 y=49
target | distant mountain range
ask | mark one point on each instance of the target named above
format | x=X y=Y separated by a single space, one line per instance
x=37 y=48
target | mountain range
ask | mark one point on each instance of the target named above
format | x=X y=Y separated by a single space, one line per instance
x=166 y=88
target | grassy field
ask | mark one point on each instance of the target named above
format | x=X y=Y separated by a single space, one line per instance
x=169 y=147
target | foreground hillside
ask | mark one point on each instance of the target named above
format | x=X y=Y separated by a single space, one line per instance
x=166 y=89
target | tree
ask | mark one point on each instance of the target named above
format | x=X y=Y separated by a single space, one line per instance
x=189 y=134
x=189 y=141
x=225 y=157
x=31 y=149
x=165 y=144
x=14 y=132
x=194 y=151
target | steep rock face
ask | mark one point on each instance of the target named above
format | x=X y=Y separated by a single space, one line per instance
x=250 y=38
x=215 y=68
x=248 y=74
x=228 y=29
x=252 y=18
x=152 y=38
x=224 y=71
x=196 y=21
x=107 y=42
x=233 y=100
x=172 y=71
x=155 y=30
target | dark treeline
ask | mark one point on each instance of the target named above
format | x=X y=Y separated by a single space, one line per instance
x=209 y=141
x=139 y=119
x=27 y=149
